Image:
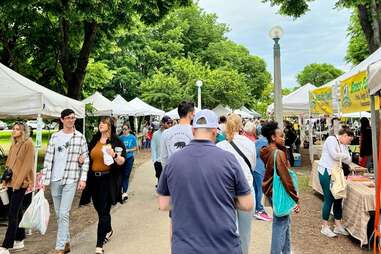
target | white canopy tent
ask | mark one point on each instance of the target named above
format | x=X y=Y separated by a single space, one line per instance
x=374 y=77
x=175 y=115
x=295 y=103
x=21 y=97
x=220 y=110
x=357 y=115
x=121 y=107
x=102 y=105
x=363 y=66
x=144 y=109
x=243 y=114
x=251 y=112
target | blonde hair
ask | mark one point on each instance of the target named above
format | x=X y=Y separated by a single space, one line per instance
x=250 y=127
x=24 y=131
x=233 y=125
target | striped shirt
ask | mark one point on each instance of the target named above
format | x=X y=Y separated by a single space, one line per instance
x=73 y=170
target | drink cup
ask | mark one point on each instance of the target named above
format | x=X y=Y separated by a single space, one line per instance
x=4 y=196
x=118 y=150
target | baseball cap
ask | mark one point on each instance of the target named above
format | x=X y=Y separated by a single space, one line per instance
x=205 y=119
x=166 y=119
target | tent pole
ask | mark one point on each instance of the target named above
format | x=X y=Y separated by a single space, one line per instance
x=84 y=126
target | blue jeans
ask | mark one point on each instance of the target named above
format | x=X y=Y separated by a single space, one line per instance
x=281 y=239
x=244 y=229
x=63 y=196
x=257 y=183
x=127 y=172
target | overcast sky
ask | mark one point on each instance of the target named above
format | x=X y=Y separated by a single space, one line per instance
x=317 y=37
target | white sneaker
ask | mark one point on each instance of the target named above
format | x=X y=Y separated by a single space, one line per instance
x=340 y=230
x=325 y=230
x=4 y=250
x=124 y=196
x=18 y=245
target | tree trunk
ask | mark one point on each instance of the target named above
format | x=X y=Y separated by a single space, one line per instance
x=74 y=78
x=365 y=17
x=375 y=22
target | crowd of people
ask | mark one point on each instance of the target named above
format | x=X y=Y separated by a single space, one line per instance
x=211 y=175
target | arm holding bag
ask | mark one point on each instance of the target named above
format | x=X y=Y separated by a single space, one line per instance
x=283 y=204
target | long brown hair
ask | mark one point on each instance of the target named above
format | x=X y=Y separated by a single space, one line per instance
x=24 y=131
x=233 y=125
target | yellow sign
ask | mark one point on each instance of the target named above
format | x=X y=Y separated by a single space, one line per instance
x=354 y=94
x=321 y=100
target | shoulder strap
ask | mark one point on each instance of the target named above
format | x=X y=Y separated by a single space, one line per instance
x=275 y=155
x=241 y=154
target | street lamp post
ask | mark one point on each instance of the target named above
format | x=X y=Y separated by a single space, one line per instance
x=276 y=33
x=199 y=85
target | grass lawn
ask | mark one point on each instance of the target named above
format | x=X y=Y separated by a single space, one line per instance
x=5 y=143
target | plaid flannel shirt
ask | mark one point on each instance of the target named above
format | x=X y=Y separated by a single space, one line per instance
x=73 y=170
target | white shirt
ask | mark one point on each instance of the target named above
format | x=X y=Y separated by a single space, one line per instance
x=331 y=154
x=247 y=147
x=61 y=147
x=174 y=139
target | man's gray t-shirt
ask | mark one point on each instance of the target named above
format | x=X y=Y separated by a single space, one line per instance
x=203 y=181
x=174 y=139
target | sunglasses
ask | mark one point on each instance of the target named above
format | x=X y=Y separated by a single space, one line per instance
x=125 y=129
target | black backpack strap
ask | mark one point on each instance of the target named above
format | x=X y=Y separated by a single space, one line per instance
x=241 y=154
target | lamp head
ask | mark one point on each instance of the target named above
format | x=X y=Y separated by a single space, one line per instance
x=276 y=32
x=198 y=83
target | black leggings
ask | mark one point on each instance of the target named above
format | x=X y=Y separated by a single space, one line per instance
x=14 y=233
x=102 y=204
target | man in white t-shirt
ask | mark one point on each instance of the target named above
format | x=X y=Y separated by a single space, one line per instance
x=65 y=170
x=178 y=136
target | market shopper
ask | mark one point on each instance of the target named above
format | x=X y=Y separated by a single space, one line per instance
x=334 y=149
x=365 y=143
x=21 y=162
x=281 y=232
x=290 y=139
x=258 y=175
x=204 y=193
x=107 y=157
x=179 y=135
x=244 y=151
x=166 y=122
x=131 y=144
x=65 y=170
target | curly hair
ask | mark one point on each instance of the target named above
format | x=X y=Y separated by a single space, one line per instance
x=268 y=130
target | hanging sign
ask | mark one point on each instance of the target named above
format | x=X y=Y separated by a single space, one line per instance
x=321 y=100
x=354 y=94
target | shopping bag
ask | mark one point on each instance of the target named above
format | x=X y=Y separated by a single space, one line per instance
x=283 y=204
x=37 y=215
x=338 y=182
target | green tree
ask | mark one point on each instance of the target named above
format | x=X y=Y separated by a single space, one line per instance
x=267 y=97
x=74 y=28
x=318 y=74
x=174 y=83
x=368 y=12
x=357 y=50
x=231 y=55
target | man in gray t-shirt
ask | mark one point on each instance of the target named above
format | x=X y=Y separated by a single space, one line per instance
x=178 y=136
x=204 y=193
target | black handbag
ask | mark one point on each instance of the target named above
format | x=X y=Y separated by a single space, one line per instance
x=7 y=175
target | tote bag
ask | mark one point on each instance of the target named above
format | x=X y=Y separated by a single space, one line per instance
x=283 y=204
x=338 y=183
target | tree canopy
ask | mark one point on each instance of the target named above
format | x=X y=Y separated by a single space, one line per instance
x=368 y=12
x=318 y=74
x=134 y=50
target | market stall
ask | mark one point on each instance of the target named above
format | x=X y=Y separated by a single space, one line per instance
x=359 y=202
